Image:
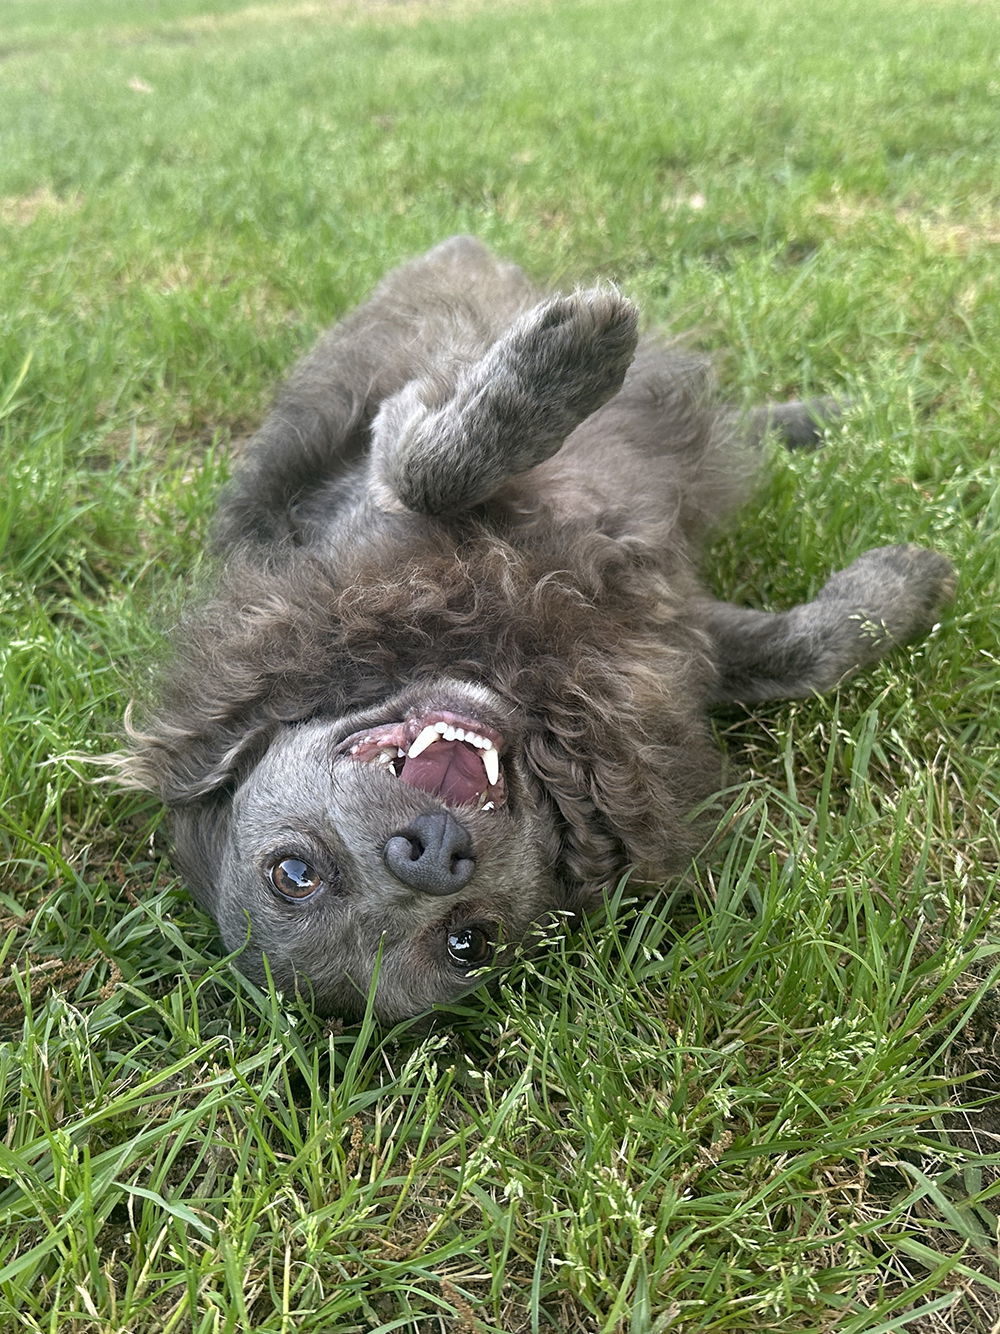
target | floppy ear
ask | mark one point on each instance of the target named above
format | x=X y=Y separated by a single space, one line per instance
x=447 y=442
x=183 y=762
x=247 y=669
x=200 y=842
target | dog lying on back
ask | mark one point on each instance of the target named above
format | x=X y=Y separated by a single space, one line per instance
x=456 y=672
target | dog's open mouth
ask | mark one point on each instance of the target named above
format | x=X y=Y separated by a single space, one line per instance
x=453 y=758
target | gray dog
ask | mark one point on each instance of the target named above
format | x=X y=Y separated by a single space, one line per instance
x=455 y=675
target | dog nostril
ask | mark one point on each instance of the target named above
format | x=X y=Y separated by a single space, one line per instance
x=433 y=854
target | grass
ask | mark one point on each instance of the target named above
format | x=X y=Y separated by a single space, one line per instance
x=767 y=1099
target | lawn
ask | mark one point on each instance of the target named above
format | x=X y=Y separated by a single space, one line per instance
x=764 y=1100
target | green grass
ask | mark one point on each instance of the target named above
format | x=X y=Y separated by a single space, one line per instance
x=765 y=1100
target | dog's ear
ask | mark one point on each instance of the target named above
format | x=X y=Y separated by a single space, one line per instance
x=447 y=442
x=184 y=764
x=259 y=656
x=200 y=844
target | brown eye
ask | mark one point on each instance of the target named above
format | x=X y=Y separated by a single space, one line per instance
x=293 y=879
x=470 y=947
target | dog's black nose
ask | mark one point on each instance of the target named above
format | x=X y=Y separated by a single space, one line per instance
x=433 y=854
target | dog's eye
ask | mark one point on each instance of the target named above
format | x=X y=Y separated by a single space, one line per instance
x=293 y=878
x=470 y=947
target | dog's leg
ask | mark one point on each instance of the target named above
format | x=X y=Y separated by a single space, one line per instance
x=798 y=425
x=447 y=441
x=448 y=305
x=886 y=597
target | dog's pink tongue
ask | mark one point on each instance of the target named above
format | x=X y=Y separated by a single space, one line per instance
x=450 y=770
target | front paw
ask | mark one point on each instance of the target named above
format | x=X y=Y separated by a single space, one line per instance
x=901 y=590
x=570 y=354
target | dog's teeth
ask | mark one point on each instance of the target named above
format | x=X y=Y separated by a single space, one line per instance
x=488 y=806
x=384 y=757
x=446 y=732
x=426 y=738
x=491 y=763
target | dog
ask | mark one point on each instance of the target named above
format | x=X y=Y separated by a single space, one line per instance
x=455 y=674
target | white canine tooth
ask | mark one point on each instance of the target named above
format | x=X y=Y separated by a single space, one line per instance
x=440 y=727
x=491 y=763
x=426 y=738
x=489 y=806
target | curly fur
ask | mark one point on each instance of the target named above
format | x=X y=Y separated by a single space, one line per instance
x=581 y=633
x=518 y=545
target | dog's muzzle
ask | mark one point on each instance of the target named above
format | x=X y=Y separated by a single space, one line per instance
x=433 y=854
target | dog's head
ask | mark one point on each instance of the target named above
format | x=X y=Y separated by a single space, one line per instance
x=400 y=840
x=355 y=805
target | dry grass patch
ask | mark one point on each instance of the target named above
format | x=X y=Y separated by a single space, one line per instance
x=948 y=235
x=22 y=210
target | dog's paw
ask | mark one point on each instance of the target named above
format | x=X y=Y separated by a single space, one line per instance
x=575 y=348
x=443 y=444
x=902 y=589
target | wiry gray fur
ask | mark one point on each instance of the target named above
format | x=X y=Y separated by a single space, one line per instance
x=474 y=499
